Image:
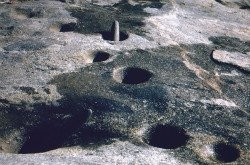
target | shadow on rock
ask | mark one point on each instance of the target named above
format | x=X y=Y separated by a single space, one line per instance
x=66 y=125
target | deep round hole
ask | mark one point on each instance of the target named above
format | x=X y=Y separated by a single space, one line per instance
x=131 y=75
x=226 y=152
x=168 y=137
x=106 y=35
x=100 y=56
x=68 y=27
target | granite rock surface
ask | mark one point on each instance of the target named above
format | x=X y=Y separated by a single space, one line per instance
x=175 y=89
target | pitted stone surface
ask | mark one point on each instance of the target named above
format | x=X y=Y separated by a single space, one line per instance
x=174 y=91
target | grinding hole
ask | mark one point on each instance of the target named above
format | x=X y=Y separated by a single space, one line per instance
x=100 y=56
x=226 y=153
x=60 y=27
x=106 y=35
x=168 y=137
x=131 y=75
x=68 y=27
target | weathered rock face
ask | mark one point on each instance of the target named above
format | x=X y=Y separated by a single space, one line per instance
x=234 y=58
x=173 y=88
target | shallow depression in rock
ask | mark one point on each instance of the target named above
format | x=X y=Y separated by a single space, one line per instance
x=168 y=137
x=131 y=75
x=98 y=56
x=67 y=27
x=60 y=27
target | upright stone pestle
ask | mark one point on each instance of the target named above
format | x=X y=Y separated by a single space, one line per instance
x=115 y=31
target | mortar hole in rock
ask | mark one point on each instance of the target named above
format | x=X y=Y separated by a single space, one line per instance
x=100 y=56
x=168 y=137
x=226 y=153
x=106 y=35
x=131 y=75
x=68 y=27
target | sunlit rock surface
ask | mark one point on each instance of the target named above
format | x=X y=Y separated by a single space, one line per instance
x=175 y=88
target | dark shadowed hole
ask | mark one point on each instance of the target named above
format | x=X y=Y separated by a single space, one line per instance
x=132 y=75
x=226 y=153
x=68 y=27
x=168 y=137
x=106 y=35
x=101 y=56
x=136 y=76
